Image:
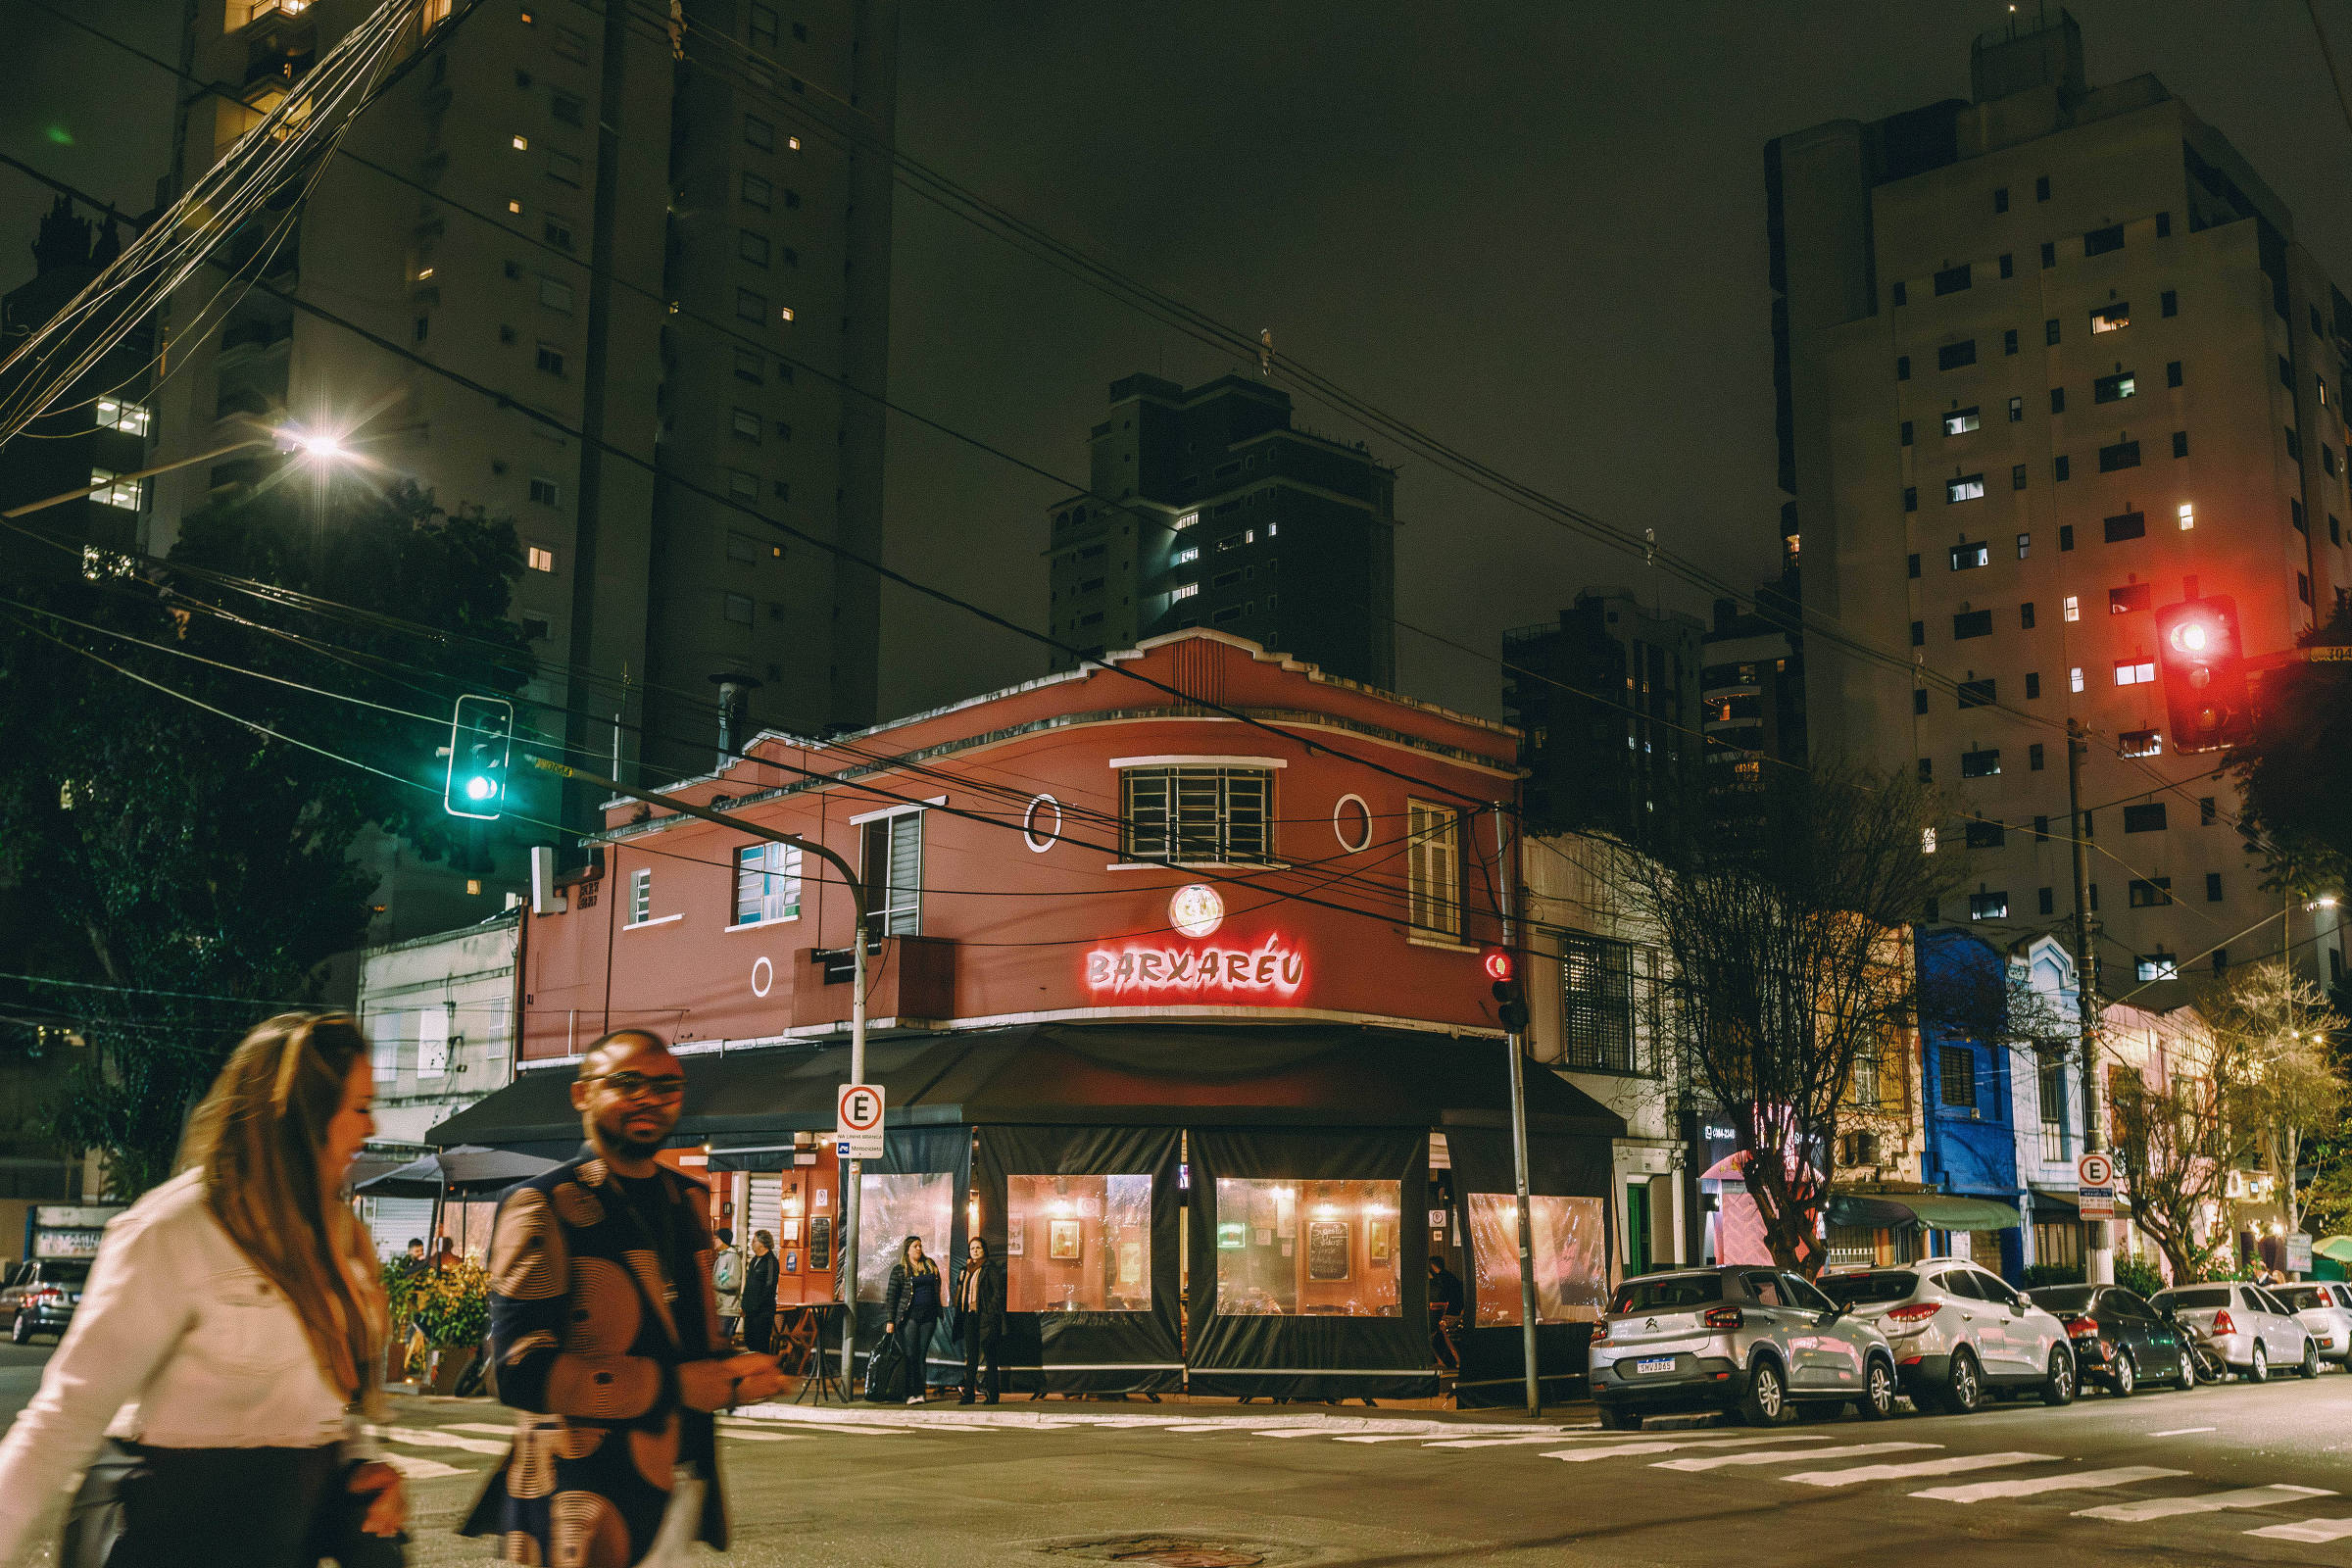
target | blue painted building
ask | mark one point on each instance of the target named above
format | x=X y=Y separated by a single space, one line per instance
x=1968 y=1109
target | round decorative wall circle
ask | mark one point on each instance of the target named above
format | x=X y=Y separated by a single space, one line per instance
x=1195 y=910
x=1029 y=825
x=1339 y=822
x=764 y=977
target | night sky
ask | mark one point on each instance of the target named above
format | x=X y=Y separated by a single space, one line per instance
x=1538 y=233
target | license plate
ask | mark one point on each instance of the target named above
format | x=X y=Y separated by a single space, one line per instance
x=1655 y=1363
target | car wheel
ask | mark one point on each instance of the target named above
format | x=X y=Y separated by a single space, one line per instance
x=1878 y=1391
x=2185 y=1370
x=2259 y=1370
x=20 y=1332
x=1964 y=1385
x=2058 y=1386
x=2311 y=1359
x=1767 y=1402
x=1616 y=1419
x=2127 y=1376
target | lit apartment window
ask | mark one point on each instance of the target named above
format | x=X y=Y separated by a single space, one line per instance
x=1967 y=488
x=1988 y=906
x=523 y=144
x=1926 y=840
x=516 y=208
x=2158 y=965
x=2111 y=318
x=128 y=417
x=1184 y=590
x=2188 y=515
x=542 y=560
x=1185 y=557
x=2016 y=411
x=1185 y=521
x=2130 y=673
x=792 y=143
x=640 y=896
x=2073 y=678
x=768 y=883
x=2024 y=545
x=786 y=313
x=114 y=491
x=2140 y=743
x=2113 y=388
x=1960 y=422
x=2073 y=612
x=1967 y=558
x=1434 y=869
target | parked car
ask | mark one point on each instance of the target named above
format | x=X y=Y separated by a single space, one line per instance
x=2248 y=1328
x=1959 y=1333
x=1750 y=1340
x=40 y=1295
x=2120 y=1340
x=2325 y=1310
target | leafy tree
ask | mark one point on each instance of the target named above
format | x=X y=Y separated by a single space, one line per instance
x=2176 y=1147
x=2295 y=767
x=2284 y=1087
x=192 y=874
x=1785 y=916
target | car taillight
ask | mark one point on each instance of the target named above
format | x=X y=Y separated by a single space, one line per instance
x=1724 y=1317
x=2222 y=1323
x=2082 y=1328
x=1915 y=1313
x=1601 y=1338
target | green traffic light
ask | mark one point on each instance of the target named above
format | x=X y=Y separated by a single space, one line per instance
x=478 y=788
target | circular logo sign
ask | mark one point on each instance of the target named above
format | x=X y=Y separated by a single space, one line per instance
x=1195 y=910
x=2094 y=1170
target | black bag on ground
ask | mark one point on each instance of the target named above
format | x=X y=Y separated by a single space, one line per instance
x=886 y=1373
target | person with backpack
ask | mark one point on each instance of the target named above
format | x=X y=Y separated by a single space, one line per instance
x=727 y=1282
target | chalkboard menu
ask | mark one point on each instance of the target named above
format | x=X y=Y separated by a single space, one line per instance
x=820 y=1241
x=1327 y=1250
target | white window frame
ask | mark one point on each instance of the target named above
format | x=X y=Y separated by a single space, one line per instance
x=892 y=909
x=778 y=867
x=108 y=488
x=433 y=1042
x=641 y=902
x=1204 y=772
x=116 y=414
x=1433 y=873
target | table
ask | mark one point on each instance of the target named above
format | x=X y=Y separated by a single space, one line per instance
x=801 y=1349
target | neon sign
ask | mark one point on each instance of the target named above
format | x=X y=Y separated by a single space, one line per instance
x=1196 y=911
x=1272 y=968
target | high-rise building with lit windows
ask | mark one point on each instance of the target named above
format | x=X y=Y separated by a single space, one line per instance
x=1211 y=508
x=2048 y=359
x=665 y=229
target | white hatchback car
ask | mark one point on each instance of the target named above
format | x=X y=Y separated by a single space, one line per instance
x=2325 y=1309
x=2248 y=1328
x=1959 y=1333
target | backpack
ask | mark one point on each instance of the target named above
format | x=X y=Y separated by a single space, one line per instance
x=727 y=1273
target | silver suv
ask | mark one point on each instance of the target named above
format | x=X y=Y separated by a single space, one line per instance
x=2325 y=1312
x=1746 y=1338
x=2247 y=1327
x=1959 y=1333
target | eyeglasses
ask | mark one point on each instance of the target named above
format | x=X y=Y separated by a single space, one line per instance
x=637 y=1086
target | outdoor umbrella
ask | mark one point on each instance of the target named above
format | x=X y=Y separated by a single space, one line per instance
x=468 y=1170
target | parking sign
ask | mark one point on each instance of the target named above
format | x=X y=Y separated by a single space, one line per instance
x=2095 y=1183
x=858 y=1121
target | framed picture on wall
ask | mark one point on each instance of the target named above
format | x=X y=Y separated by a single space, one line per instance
x=1376 y=1237
x=1016 y=1236
x=1063 y=1239
x=788 y=1229
x=1233 y=1234
x=1327 y=1245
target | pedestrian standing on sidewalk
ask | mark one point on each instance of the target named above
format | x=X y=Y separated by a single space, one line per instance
x=726 y=1283
x=912 y=1311
x=760 y=1295
x=980 y=1318
x=230 y=1334
x=607 y=1335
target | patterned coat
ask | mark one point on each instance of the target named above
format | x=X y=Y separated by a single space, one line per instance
x=586 y=1348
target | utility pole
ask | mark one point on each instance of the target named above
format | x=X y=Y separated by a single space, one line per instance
x=1515 y=1041
x=2098 y=1247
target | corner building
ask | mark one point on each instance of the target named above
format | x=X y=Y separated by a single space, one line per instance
x=1176 y=995
x=2047 y=361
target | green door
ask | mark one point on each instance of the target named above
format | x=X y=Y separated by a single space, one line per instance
x=1637 y=1227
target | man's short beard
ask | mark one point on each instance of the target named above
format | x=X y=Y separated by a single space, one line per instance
x=618 y=1141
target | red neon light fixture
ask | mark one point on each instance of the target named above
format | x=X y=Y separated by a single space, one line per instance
x=1498 y=964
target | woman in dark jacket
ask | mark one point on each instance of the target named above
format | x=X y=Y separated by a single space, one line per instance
x=911 y=1308
x=760 y=1295
x=980 y=1318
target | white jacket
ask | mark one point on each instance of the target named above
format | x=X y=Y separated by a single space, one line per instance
x=179 y=1342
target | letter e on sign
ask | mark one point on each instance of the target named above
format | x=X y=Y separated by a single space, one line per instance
x=858 y=1120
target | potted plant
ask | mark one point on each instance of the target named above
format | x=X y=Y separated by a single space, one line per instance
x=450 y=1308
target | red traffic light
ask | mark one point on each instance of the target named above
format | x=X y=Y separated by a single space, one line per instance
x=2204 y=673
x=1498 y=966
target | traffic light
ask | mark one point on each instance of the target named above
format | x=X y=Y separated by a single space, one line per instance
x=1510 y=1000
x=2204 y=671
x=481 y=736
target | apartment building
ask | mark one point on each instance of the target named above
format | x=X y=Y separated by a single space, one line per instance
x=1605 y=700
x=1752 y=684
x=2048 y=359
x=1210 y=509
x=655 y=247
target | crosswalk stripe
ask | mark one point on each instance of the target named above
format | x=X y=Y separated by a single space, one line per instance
x=1498 y=1443
x=2316 y=1532
x=1925 y=1467
x=1618 y=1450
x=423 y=1469
x=748 y=1435
x=423 y=1437
x=2132 y=1513
x=1716 y=1461
x=492 y=1428
x=2079 y=1481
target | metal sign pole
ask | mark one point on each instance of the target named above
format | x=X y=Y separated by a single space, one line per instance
x=1516 y=1043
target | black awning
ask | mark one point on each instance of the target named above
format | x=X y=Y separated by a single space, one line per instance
x=1168 y=1075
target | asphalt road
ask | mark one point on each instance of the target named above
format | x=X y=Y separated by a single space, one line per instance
x=2225 y=1475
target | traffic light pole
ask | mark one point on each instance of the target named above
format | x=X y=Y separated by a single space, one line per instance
x=2098 y=1247
x=1515 y=1042
x=848 y=1274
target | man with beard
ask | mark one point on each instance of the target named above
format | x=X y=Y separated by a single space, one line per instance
x=606 y=1335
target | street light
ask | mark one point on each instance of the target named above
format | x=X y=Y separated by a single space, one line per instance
x=324 y=447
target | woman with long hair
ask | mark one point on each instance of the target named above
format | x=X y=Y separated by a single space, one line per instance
x=911 y=1306
x=229 y=1339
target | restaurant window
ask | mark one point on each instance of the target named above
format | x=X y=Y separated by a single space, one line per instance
x=893 y=868
x=1309 y=1248
x=1433 y=868
x=768 y=883
x=1596 y=1012
x=894 y=1206
x=1077 y=1243
x=1195 y=815
x=1570 y=1253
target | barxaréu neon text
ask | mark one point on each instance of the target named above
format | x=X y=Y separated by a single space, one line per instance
x=1271 y=968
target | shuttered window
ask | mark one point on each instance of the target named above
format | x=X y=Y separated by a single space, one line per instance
x=768 y=883
x=1195 y=815
x=893 y=868
x=1434 y=869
